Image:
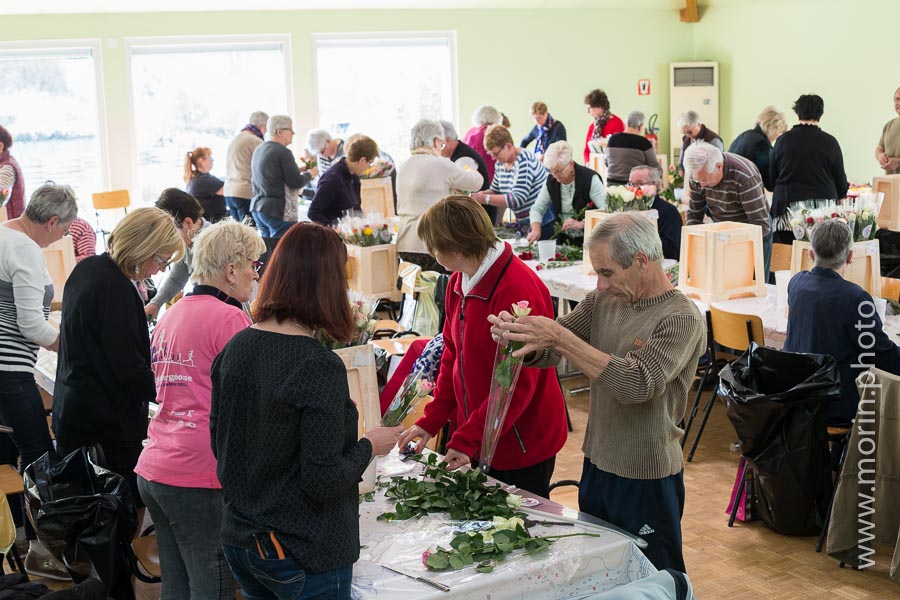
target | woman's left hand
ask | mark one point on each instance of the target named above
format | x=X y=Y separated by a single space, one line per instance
x=455 y=459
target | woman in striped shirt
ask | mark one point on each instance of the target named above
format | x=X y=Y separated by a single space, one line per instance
x=26 y=290
x=518 y=179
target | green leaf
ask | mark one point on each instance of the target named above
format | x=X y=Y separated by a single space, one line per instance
x=437 y=561
x=456 y=561
x=485 y=567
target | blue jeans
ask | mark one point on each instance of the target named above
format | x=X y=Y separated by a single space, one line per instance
x=272 y=578
x=270 y=227
x=22 y=409
x=238 y=208
x=189 y=535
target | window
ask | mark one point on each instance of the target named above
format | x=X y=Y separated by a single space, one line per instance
x=381 y=85
x=50 y=108
x=199 y=94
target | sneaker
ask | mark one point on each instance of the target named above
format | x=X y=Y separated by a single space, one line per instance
x=45 y=565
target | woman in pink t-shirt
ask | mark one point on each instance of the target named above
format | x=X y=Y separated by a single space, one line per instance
x=177 y=470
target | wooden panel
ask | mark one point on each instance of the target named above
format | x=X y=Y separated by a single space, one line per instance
x=889 y=216
x=60 y=259
x=864 y=270
x=3 y=216
x=592 y=218
x=377 y=195
x=113 y=199
x=10 y=480
x=373 y=270
x=363 y=383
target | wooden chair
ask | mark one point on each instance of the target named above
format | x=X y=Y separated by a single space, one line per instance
x=417 y=414
x=60 y=260
x=731 y=330
x=890 y=288
x=109 y=201
x=781 y=257
x=146 y=552
x=11 y=483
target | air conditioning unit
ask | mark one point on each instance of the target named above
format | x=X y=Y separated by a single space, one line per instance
x=692 y=86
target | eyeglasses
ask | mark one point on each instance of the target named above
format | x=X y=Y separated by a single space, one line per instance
x=286 y=129
x=495 y=153
x=256 y=265
x=163 y=263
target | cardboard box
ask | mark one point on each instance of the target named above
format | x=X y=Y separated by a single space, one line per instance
x=377 y=195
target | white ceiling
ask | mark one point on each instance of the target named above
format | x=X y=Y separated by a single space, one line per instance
x=25 y=7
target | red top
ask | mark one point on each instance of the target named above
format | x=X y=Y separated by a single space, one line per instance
x=614 y=125
x=535 y=426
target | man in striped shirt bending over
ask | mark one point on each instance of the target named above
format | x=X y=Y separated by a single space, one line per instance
x=637 y=339
x=519 y=178
x=731 y=187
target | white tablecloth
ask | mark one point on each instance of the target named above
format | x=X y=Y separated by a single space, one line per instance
x=570 y=568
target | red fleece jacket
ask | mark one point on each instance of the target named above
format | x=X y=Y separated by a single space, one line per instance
x=535 y=427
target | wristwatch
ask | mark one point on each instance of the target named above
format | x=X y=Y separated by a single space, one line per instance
x=487 y=198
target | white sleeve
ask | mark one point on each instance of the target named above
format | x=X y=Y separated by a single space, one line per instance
x=7 y=177
x=597 y=193
x=28 y=274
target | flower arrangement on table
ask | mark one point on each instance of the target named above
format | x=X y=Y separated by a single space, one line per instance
x=409 y=396
x=621 y=198
x=676 y=182
x=860 y=213
x=371 y=229
x=493 y=525
x=363 y=309
x=578 y=215
x=380 y=167
x=511 y=231
x=565 y=254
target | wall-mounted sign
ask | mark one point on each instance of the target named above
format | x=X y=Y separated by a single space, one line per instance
x=643 y=87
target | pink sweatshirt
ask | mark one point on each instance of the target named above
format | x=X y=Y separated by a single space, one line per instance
x=185 y=342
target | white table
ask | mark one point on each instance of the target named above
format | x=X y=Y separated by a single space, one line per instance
x=570 y=568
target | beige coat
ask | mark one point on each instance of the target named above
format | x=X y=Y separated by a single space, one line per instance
x=237 y=165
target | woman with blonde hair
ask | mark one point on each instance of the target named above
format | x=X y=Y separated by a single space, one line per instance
x=177 y=470
x=208 y=189
x=756 y=144
x=103 y=377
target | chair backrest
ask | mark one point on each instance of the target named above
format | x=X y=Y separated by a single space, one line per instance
x=890 y=288
x=735 y=330
x=113 y=199
x=781 y=257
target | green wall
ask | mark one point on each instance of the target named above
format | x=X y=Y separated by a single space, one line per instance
x=770 y=51
x=508 y=58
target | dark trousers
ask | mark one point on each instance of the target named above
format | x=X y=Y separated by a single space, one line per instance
x=22 y=409
x=535 y=479
x=648 y=508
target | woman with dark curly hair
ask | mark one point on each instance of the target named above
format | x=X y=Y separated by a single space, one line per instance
x=605 y=123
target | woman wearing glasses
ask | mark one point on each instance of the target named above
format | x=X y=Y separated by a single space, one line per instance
x=177 y=470
x=103 y=377
x=188 y=215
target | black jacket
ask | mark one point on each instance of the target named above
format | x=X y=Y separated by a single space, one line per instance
x=807 y=164
x=669 y=228
x=338 y=191
x=582 y=195
x=755 y=147
x=103 y=377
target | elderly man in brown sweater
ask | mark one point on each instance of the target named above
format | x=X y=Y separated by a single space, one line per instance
x=638 y=340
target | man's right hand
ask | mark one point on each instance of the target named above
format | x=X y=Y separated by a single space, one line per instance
x=534 y=234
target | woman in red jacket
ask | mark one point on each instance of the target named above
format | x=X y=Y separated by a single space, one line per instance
x=487 y=278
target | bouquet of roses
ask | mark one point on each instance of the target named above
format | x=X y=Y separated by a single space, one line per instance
x=503 y=383
x=862 y=212
x=621 y=198
x=408 y=397
x=676 y=182
x=380 y=167
x=363 y=309
x=371 y=229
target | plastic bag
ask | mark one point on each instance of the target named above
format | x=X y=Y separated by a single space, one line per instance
x=85 y=516
x=778 y=404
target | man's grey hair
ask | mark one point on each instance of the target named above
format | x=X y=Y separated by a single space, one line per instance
x=558 y=155
x=690 y=118
x=628 y=234
x=52 y=200
x=486 y=115
x=702 y=155
x=316 y=140
x=653 y=175
x=258 y=119
x=635 y=119
x=449 y=131
x=277 y=122
x=831 y=243
x=423 y=134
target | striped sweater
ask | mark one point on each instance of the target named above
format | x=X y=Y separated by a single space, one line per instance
x=640 y=397
x=520 y=183
x=25 y=294
x=738 y=197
